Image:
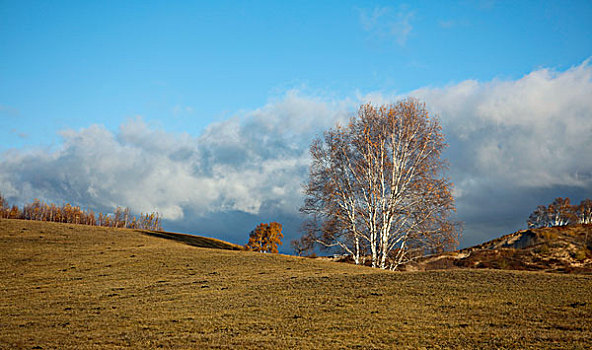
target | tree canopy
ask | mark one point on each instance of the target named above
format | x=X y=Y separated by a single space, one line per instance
x=266 y=238
x=377 y=186
x=560 y=213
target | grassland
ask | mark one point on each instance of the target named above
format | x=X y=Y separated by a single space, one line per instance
x=68 y=286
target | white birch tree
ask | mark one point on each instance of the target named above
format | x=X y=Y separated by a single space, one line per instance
x=584 y=212
x=377 y=186
x=560 y=212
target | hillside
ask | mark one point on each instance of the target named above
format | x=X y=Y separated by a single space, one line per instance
x=75 y=287
x=193 y=240
x=551 y=249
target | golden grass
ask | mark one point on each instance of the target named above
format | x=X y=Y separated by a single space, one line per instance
x=68 y=286
x=197 y=241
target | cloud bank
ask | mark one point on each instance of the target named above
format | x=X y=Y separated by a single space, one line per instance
x=250 y=167
x=513 y=144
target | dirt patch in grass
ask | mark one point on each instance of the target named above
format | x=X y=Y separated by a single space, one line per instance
x=69 y=286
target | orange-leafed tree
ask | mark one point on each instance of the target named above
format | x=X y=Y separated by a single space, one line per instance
x=561 y=212
x=67 y=213
x=266 y=238
x=149 y=221
x=8 y=212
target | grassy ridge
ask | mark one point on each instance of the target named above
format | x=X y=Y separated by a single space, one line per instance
x=565 y=249
x=196 y=241
x=69 y=286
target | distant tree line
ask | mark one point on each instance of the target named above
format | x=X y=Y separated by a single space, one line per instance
x=67 y=213
x=560 y=213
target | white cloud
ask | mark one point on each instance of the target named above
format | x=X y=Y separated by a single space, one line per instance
x=180 y=110
x=9 y=111
x=513 y=144
x=534 y=132
x=516 y=144
x=447 y=24
x=385 y=23
x=251 y=163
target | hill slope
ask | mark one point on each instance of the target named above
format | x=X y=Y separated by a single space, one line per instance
x=552 y=249
x=67 y=286
x=196 y=241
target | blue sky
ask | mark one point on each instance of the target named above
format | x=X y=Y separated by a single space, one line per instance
x=182 y=71
x=184 y=64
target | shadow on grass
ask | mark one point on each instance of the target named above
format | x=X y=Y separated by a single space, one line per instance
x=196 y=241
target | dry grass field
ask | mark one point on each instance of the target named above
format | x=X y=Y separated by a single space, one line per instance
x=75 y=287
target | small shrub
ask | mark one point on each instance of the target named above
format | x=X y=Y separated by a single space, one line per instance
x=549 y=235
x=581 y=254
x=542 y=249
x=441 y=264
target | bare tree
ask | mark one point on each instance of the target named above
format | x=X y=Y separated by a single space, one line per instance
x=584 y=212
x=304 y=245
x=118 y=217
x=376 y=186
x=4 y=209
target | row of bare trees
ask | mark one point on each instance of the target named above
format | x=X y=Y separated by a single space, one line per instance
x=560 y=213
x=377 y=187
x=67 y=213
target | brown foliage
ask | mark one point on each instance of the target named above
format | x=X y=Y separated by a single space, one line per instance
x=377 y=186
x=560 y=213
x=266 y=238
x=67 y=213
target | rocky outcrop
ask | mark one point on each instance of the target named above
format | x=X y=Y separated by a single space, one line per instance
x=553 y=249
